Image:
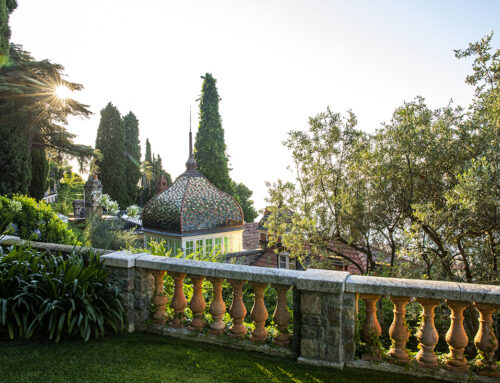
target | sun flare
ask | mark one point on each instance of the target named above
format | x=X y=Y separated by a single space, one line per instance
x=62 y=92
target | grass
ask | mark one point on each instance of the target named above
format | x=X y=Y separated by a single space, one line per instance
x=151 y=358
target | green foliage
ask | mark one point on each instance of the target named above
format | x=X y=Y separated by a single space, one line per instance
x=109 y=234
x=152 y=170
x=52 y=296
x=31 y=114
x=39 y=173
x=133 y=157
x=23 y=216
x=6 y=7
x=102 y=361
x=110 y=142
x=421 y=194
x=70 y=188
x=242 y=195
x=210 y=147
x=109 y=205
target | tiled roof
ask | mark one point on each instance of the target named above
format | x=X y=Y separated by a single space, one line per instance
x=192 y=204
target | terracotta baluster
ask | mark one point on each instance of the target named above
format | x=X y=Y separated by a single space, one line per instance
x=456 y=338
x=486 y=341
x=237 y=310
x=160 y=300
x=179 y=301
x=197 y=304
x=259 y=313
x=281 y=316
x=398 y=332
x=371 y=328
x=427 y=334
x=217 y=307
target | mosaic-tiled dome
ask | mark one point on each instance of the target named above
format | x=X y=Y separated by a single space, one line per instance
x=191 y=204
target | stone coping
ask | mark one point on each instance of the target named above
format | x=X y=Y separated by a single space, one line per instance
x=12 y=240
x=314 y=280
x=418 y=288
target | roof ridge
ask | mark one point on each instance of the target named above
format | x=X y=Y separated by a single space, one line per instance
x=181 y=216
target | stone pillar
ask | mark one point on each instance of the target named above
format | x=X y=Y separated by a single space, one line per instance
x=281 y=315
x=371 y=328
x=398 y=332
x=237 y=310
x=427 y=334
x=328 y=318
x=93 y=190
x=456 y=337
x=179 y=301
x=78 y=205
x=136 y=285
x=217 y=307
x=160 y=299
x=259 y=313
x=486 y=342
x=197 y=304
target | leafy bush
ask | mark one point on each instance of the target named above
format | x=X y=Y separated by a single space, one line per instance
x=108 y=204
x=109 y=234
x=46 y=295
x=32 y=220
x=70 y=188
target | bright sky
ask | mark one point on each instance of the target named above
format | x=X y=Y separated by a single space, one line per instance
x=276 y=62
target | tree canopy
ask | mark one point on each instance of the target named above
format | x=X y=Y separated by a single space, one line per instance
x=32 y=115
x=420 y=194
x=210 y=149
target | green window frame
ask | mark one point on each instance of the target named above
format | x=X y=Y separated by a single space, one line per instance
x=189 y=247
x=218 y=245
x=199 y=246
x=208 y=246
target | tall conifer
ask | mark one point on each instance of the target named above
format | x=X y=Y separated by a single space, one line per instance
x=133 y=155
x=39 y=172
x=210 y=147
x=110 y=142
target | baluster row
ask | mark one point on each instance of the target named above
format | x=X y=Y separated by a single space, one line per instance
x=456 y=337
x=217 y=308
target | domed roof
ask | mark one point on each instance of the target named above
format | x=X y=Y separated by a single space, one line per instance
x=192 y=204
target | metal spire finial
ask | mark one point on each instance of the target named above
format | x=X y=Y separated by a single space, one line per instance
x=191 y=163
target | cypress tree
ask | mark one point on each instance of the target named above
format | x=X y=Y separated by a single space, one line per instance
x=39 y=172
x=133 y=153
x=148 y=157
x=110 y=142
x=210 y=147
x=6 y=8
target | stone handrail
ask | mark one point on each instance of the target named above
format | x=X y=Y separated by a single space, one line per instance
x=13 y=240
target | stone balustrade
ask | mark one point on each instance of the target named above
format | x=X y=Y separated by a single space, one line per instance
x=324 y=314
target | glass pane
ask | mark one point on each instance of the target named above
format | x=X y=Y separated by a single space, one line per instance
x=209 y=246
x=226 y=244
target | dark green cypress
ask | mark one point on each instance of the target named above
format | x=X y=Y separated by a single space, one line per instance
x=6 y=7
x=15 y=157
x=133 y=154
x=39 y=172
x=148 y=156
x=243 y=195
x=110 y=142
x=210 y=147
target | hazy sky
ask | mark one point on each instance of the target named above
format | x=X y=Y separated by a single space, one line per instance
x=276 y=63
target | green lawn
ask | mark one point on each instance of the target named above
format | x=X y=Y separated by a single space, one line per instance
x=150 y=358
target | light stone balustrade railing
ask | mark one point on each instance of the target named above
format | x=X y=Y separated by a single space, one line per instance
x=325 y=314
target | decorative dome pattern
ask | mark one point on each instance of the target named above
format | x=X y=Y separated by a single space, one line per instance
x=191 y=204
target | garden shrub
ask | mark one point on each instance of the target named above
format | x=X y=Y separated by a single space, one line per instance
x=42 y=295
x=25 y=217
